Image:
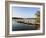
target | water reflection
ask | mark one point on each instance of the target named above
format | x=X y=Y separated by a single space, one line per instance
x=19 y=26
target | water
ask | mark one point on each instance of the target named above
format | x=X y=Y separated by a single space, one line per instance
x=19 y=26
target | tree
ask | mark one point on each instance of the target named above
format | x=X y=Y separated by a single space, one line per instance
x=37 y=22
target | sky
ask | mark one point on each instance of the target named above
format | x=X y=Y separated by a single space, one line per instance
x=24 y=12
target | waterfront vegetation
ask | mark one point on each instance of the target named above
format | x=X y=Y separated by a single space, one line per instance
x=37 y=20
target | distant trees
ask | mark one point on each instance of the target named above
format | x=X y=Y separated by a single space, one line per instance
x=37 y=19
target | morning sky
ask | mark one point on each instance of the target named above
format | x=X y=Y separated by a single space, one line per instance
x=24 y=12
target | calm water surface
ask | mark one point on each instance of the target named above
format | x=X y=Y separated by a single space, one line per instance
x=19 y=26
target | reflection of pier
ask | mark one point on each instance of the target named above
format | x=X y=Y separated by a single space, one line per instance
x=30 y=21
x=27 y=23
